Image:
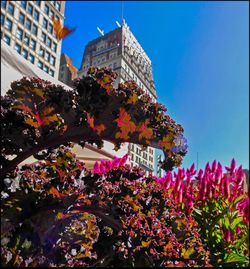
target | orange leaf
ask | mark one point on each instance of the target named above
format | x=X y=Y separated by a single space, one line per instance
x=132 y=99
x=167 y=142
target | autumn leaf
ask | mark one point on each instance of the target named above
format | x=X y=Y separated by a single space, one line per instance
x=145 y=244
x=185 y=253
x=125 y=124
x=167 y=142
x=55 y=192
x=145 y=131
x=132 y=99
x=98 y=128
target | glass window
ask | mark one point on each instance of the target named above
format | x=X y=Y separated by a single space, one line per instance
x=30 y=9
x=3 y=4
x=41 y=51
x=46 y=69
x=26 y=39
x=19 y=33
x=34 y=29
x=49 y=42
x=54 y=47
x=45 y=23
x=11 y=8
x=18 y=48
x=53 y=60
x=21 y=18
x=46 y=9
x=25 y=53
x=36 y=15
x=6 y=39
x=28 y=24
x=33 y=44
x=24 y=4
x=2 y=19
x=38 y=3
x=40 y=64
x=8 y=24
x=52 y=72
x=58 y=6
x=50 y=28
x=43 y=37
x=31 y=58
x=47 y=56
x=51 y=14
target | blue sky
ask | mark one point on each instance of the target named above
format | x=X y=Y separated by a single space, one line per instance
x=200 y=57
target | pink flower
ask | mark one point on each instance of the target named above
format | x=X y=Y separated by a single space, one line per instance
x=96 y=169
x=238 y=230
x=228 y=235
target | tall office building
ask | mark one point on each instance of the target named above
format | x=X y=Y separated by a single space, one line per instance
x=27 y=27
x=120 y=50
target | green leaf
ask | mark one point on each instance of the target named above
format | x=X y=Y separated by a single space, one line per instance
x=239 y=198
x=226 y=222
x=235 y=222
x=233 y=257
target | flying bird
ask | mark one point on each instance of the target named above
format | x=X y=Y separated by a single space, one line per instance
x=60 y=31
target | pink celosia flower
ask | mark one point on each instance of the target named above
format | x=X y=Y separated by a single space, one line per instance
x=228 y=235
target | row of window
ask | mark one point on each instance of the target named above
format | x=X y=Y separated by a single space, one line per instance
x=19 y=33
x=45 y=68
x=47 y=56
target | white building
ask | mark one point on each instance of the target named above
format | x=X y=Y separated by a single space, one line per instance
x=27 y=27
x=120 y=50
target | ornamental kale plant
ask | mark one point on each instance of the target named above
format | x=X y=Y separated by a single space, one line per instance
x=57 y=213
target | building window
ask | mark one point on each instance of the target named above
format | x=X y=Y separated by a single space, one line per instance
x=11 y=8
x=3 y=4
x=46 y=9
x=33 y=44
x=26 y=39
x=24 y=4
x=50 y=28
x=36 y=15
x=34 y=29
x=58 y=6
x=8 y=24
x=47 y=56
x=31 y=58
x=6 y=39
x=45 y=23
x=51 y=14
x=54 y=46
x=18 y=48
x=41 y=52
x=38 y=3
x=30 y=9
x=49 y=42
x=52 y=72
x=40 y=64
x=21 y=18
x=2 y=19
x=53 y=60
x=43 y=37
x=46 y=69
x=28 y=24
x=25 y=53
x=19 y=33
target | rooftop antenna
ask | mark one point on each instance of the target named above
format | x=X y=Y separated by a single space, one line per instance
x=100 y=31
x=118 y=24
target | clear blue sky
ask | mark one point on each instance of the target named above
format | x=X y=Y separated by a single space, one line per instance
x=200 y=57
